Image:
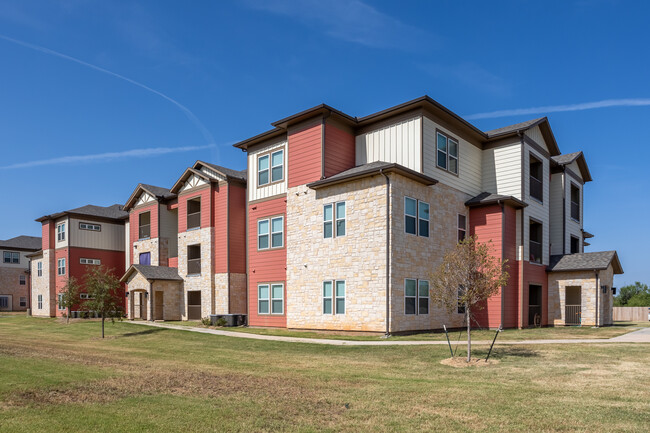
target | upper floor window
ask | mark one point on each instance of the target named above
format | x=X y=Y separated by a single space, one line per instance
x=144 y=258
x=270 y=233
x=575 y=245
x=193 y=259
x=60 y=267
x=194 y=213
x=536 y=183
x=416 y=296
x=91 y=227
x=39 y=269
x=462 y=227
x=334 y=297
x=10 y=257
x=447 y=152
x=270 y=168
x=575 y=202
x=144 y=225
x=535 y=242
x=21 y=280
x=60 y=232
x=90 y=261
x=460 y=309
x=416 y=217
x=334 y=220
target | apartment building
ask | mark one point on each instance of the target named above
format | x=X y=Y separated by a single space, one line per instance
x=73 y=241
x=14 y=272
x=348 y=217
x=187 y=246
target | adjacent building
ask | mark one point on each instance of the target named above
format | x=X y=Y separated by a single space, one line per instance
x=14 y=272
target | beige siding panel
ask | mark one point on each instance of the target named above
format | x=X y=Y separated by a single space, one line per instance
x=23 y=261
x=502 y=170
x=536 y=134
x=110 y=237
x=169 y=228
x=127 y=243
x=556 y=214
x=573 y=227
x=399 y=143
x=535 y=209
x=255 y=193
x=63 y=243
x=469 y=179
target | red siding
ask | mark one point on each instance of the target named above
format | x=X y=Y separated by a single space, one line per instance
x=237 y=228
x=535 y=274
x=47 y=235
x=220 y=221
x=304 y=163
x=265 y=266
x=173 y=262
x=511 y=297
x=205 y=208
x=134 y=225
x=339 y=150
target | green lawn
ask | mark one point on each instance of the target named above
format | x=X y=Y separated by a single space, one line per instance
x=58 y=377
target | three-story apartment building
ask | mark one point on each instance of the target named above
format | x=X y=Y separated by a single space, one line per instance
x=14 y=272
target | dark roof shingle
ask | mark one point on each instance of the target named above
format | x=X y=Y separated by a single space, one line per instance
x=585 y=262
x=229 y=172
x=516 y=127
x=371 y=169
x=566 y=158
x=158 y=191
x=153 y=273
x=31 y=243
x=487 y=198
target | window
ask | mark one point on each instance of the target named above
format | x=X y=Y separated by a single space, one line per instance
x=10 y=257
x=4 y=302
x=575 y=202
x=575 y=245
x=416 y=217
x=21 y=280
x=144 y=258
x=416 y=296
x=22 y=301
x=447 y=152
x=535 y=242
x=60 y=301
x=270 y=295
x=276 y=226
x=461 y=305
x=193 y=259
x=40 y=302
x=275 y=172
x=194 y=213
x=144 y=225
x=91 y=227
x=462 y=227
x=85 y=296
x=39 y=269
x=60 y=232
x=334 y=297
x=61 y=267
x=90 y=261
x=334 y=216
x=536 y=178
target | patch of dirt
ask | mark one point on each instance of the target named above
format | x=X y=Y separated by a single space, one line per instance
x=461 y=362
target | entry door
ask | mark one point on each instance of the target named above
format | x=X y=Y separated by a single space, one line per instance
x=194 y=305
x=534 y=305
x=159 y=306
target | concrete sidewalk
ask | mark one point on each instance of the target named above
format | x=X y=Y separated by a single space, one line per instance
x=640 y=336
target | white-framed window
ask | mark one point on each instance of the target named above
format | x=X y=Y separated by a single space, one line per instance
x=40 y=302
x=462 y=227
x=84 y=261
x=334 y=297
x=85 y=296
x=22 y=301
x=536 y=178
x=270 y=168
x=60 y=232
x=91 y=227
x=22 y=280
x=416 y=296
x=334 y=220
x=10 y=257
x=60 y=301
x=60 y=267
x=575 y=202
x=194 y=213
x=416 y=217
x=270 y=298
x=39 y=269
x=270 y=233
x=447 y=152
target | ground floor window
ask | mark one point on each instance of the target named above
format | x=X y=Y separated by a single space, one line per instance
x=270 y=298
x=334 y=297
x=4 y=301
x=40 y=302
x=21 y=280
x=416 y=296
x=23 y=301
x=60 y=301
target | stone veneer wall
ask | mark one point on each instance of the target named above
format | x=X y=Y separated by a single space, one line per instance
x=221 y=294
x=203 y=282
x=417 y=257
x=144 y=246
x=238 y=284
x=140 y=283
x=41 y=286
x=172 y=298
x=359 y=257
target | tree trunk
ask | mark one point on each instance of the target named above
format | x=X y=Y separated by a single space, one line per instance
x=102 y=326
x=469 y=335
x=67 y=319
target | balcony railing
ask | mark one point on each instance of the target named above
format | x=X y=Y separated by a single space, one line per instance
x=535 y=252
x=194 y=220
x=573 y=314
x=536 y=188
x=193 y=266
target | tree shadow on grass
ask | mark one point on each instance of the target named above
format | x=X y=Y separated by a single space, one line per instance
x=501 y=352
x=145 y=332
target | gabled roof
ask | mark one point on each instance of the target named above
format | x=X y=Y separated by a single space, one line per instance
x=158 y=192
x=115 y=212
x=585 y=262
x=186 y=175
x=224 y=171
x=522 y=126
x=517 y=128
x=579 y=157
x=152 y=273
x=28 y=243
x=486 y=198
x=371 y=169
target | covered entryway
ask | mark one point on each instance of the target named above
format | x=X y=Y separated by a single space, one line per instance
x=534 y=305
x=154 y=292
x=194 y=305
x=159 y=305
x=138 y=305
x=573 y=305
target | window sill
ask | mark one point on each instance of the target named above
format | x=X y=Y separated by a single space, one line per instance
x=536 y=264
x=144 y=239
x=193 y=229
x=575 y=220
x=270 y=249
x=536 y=200
x=192 y=275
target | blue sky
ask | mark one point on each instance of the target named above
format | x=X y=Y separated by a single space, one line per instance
x=109 y=94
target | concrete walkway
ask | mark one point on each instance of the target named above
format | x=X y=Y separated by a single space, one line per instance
x=640 y=336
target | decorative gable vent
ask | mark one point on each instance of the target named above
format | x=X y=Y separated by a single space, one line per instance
x=193 y=182
x=144 y=198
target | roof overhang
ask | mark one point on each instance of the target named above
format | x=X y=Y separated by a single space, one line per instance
x=198 y=164
x=186 y=175
x=507 y=200
x=371 y=171
x=544 y=127
x=130 y=203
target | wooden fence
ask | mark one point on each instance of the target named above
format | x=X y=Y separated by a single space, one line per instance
x=631 y=314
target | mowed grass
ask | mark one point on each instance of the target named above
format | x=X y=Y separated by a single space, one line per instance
x=58 y=377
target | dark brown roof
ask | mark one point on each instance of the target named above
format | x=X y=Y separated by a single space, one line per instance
x=372 y=169
x=564 y=160
x=158 y=192
x=522 y=126
x=26 y=243
x=486 y=198
x=585 y=262
x=153 y=273
x=227 y=172
x=115 y=212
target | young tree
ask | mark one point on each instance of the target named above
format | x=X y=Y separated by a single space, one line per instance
x=468 y=275
x=105 y=294
x=69 y=296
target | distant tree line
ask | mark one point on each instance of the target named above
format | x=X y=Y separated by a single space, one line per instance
x=633 y=295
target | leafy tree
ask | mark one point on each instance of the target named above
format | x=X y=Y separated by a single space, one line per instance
x=69 y=296
x=468 y=275
x=105 y=293
x=627 y=293
x=639 y=300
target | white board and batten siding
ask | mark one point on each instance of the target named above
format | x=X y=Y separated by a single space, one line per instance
x=168 y=226
x=502 y=169
x=110 y=236
x=278 y=188
x=397 y=143
x=470 y=171
x=538 y=211
x=63 y=243
x=555 y=214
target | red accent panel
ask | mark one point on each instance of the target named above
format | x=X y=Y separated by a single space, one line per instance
x=535 y=274
x=265 y=266
x=205 y=208
x=134 y=225
x=304 y=163
x=511 y=298
x=47 y=234
x=339 y=150
x=220 y=250
x=173 y=262
x=237 y=228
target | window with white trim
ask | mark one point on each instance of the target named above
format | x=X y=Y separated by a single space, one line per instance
x=60 y=232
x=334 y=220
x=270 y=233
x=91 y=227
x=447 y=152
x=416 y=217
x=11 y=257
x=60 y=301
x=334 y=297
x=60 y=267
x=85 y=296
x=460 y=305
x=416 y=296
x=40 y=302
x=84 y=261
x=270 y=168
x=22 y=280
x=462 y=227
x=39 y=269
x=270 y=298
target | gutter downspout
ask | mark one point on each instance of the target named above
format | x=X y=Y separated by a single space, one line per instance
x=503 y=254
x=521 y=235
x=381 y=171
x=597 y=296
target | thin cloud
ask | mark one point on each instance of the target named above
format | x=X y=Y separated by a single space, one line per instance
x=109 y=156
x=635 y=102
x=206 y=134
x=470 y=75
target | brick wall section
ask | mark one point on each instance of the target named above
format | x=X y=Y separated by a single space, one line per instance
x=10 y=285
x=304 y=152
x=268 y=265
x=339 y=150
x=204 y=281
x=237 y=228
